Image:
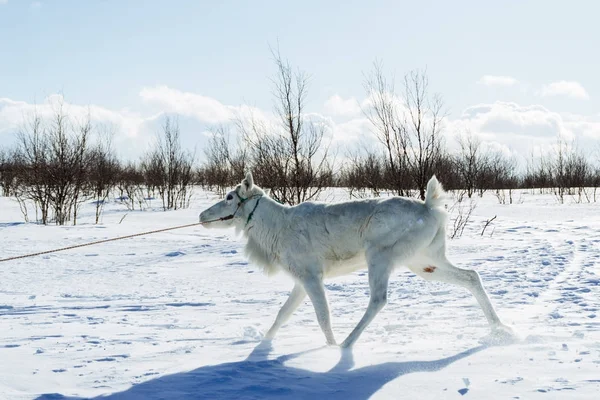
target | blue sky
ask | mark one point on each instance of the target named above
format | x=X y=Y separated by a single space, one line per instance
x=511 y=71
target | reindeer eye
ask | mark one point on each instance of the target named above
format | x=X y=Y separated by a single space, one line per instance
x=229 y=197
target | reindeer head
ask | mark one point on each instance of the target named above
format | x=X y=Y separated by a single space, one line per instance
x=231 y=211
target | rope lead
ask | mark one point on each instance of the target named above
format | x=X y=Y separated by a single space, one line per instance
x=96 y=242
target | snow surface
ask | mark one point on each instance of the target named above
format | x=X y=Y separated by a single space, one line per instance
x=181 y=314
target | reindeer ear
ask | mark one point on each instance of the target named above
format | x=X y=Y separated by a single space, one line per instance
x=248 y=182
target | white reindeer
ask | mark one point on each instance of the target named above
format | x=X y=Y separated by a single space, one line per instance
x=313 y=241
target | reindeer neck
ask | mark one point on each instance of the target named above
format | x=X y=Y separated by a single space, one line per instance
x=265 y=216
x=261 y=232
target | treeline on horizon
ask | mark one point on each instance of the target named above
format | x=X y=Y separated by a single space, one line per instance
x=59 y=163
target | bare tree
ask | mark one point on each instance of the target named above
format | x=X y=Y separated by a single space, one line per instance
x=446 y=170
x=103 y=172
x=225 y=165
x=570 y=171
x=169 y=169
x=238 y=161
x=503 y=177
x=409 y=128
x=32 y=153
x=460 y=215
x=68 y=164
x=130 y=184
x=151 y=167
x=364 y=171
x=425 y=116
x=8 y=171
x=538 y=173
x=53 y=163
x=469 y=161
x=385 y=114
x=559 y=169
x=579 y=175
x=481 y=169
x=595 y=182
x=291 y=157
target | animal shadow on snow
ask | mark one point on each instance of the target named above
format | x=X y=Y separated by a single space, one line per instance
x=258 y=377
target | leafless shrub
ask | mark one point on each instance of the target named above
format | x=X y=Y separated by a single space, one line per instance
x=409 y=128
x=216 y=172
x=130 y=184
x=425 y=116
x=470 y=162
x=500 y=175
x=364 y=172
x=487 y=223
x=595 y=182
x=460 y=215
x=290 y=157
x=54 y=162
x=446 y=171
x=538 y=174
x=168 y=169
x=389 y=126
x=559 y=170
x=8 y=171
x=103 y=172
x=33 y=175
x=501 y=196
x=580 y=173
x=458 y=195
x=570 y=172
x=225 y=163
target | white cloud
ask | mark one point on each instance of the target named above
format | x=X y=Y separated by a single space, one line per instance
x=338 y=106
x=14 y=113
x=352 y=131
x=203 y=108
x=524 y=129
x=495 y=80
x=505 y=126
x=584 y=127
x=565 y=88
x=132 y=131
x=3 y=2
x=512 y=118
x=189 y=104
x=501 y=125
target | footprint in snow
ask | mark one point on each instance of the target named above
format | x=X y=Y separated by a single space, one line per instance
x=175 y=254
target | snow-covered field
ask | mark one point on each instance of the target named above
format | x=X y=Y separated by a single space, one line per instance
x=180 y=314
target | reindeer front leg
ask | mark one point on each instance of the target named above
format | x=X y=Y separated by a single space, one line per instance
x=296 y=296
x=316 y=292
x=380 y=267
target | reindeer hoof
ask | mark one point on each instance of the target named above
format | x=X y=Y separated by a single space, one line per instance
x=503 y=330
x=501 y=335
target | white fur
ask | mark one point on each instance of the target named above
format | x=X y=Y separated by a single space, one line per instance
x=313 y=241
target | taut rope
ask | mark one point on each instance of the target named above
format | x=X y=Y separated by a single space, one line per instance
x=98 y=242
x=39 y=253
